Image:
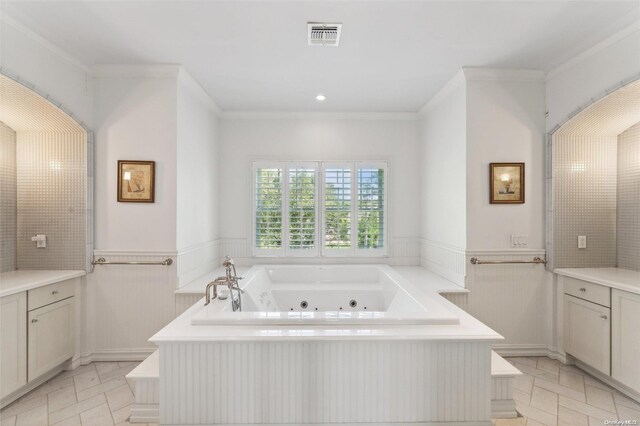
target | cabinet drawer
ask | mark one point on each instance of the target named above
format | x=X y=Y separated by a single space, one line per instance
x=51 y=293
x=595 y=293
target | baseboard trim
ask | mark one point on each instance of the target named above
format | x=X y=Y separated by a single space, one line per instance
x=504 y=349
x=503 y=409
x=137 y=354
x=145 y=413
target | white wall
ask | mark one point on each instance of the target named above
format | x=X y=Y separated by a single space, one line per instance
x=574 y=84
x=135 y=119
x=505 y=123
x=443 y=139
x=197 y=166
x=308 y=138
x=53 y=72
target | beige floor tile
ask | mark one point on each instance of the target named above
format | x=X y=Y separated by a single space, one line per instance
x=135 y=424
x=119 y=397
x=105 y=367
x=71 y=421
x=48 y=387
x=24 y=406
x=536 y=414
x=61 y=398
x=586 y=409
x=75 y=409
x=86 y=380
x=97 y=416
x=598 y=422
x=101 y=388
x=536 y=372
x=520 y=396
x=571 y=380
x=626 y=413
x=122 y=414
x=600 y=398
x=523 y=383
x=71 y=373
x=592 y=381
x=7 y=420
x=624 y=400
x=559 y=389
x=544 y=400
x=119 y=372
x=531 y=422
x=518 y=421
x=550 y=365
x=34 y=417
x=568 y=417
x=530 y=361
x=128 y=363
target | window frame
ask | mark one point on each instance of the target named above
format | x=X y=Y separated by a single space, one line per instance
x=320 y=250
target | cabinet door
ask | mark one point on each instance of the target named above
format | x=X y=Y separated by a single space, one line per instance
x=51 y=336
x=625 y=338
x=587 y=332
x=13 y=343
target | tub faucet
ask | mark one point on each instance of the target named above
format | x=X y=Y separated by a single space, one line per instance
x=231 y=281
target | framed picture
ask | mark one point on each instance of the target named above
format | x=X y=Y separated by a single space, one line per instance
x=136 y=181
x=506 y=181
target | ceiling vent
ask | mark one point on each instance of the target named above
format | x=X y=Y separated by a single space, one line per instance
x=323 y=34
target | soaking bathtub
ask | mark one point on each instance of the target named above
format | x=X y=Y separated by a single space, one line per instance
x=336 y=294
x=378 y=350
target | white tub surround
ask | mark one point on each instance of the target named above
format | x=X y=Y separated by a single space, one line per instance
x=326 y=373
x=600 y=317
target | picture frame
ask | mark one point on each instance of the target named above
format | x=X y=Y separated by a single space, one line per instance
x=136 y=181
x=506 y=183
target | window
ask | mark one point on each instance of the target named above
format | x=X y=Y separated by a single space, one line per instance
x=320 y=208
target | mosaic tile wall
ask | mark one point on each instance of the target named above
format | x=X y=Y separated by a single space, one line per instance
x=7 y=198
x=51 y=187
x=628 y=216
x=584 y=200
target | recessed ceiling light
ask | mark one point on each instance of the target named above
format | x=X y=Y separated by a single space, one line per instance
x=321 y=98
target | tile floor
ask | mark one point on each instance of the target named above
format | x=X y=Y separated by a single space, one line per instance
x=96 y=394
x=548 y=393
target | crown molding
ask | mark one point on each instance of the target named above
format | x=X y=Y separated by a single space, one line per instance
x=197 y=90
x=317 y=115
x=496 y=74
x=593 y=50
x=452 y=85
x=56 y=50
x=141 y=70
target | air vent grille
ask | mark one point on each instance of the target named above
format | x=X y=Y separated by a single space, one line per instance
x=324 y=34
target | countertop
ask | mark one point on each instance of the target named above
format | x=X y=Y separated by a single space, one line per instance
x=24 y=279
x=622 y=279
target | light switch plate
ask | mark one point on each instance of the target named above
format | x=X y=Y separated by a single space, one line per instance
x=519 y=241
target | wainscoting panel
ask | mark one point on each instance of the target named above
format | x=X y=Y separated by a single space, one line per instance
x=510 y=298
x=195 y=261
x=127 y=304
x=299 y=382
x=444 y=260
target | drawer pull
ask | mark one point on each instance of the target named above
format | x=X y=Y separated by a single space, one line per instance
x=583 y=289
x=603 y=317
x=34 y=320
x=54 y=292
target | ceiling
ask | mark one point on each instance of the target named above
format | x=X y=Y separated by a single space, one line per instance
x=393 y=55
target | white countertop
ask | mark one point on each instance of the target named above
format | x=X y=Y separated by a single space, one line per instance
x=469 y=328
x=622 y=279
x=24 y=279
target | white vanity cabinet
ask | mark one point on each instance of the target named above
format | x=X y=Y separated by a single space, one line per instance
x=587 y=332
x=13 y=343
x=51 y=322
x=625 y=338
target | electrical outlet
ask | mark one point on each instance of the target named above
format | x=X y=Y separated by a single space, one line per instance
x=582 y=241
x=519 y=241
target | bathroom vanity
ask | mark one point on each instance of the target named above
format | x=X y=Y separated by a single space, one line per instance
x=601 y=322
x=37 y=327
